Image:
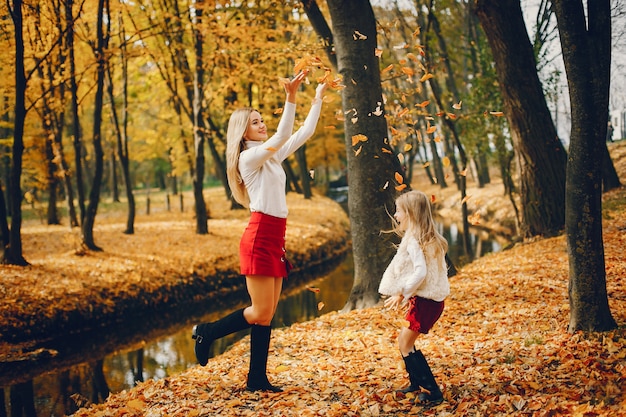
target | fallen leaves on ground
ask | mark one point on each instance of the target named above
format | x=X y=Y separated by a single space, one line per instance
x=500 y=348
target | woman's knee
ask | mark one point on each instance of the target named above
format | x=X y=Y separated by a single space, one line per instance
x=262 y=315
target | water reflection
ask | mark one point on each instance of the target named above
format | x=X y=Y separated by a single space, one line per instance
x=57 y=393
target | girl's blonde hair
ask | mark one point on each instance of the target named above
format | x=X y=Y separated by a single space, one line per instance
x=419 y=221
x=237 y=126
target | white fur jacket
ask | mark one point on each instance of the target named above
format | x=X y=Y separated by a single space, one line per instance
x=411 y=273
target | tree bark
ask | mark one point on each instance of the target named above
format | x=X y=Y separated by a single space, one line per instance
x=371 y=171
x=94 y=194
x=541 y=156
x=586 y=44
x=13 y=251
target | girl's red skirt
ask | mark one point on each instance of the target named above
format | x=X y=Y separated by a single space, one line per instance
x=423 y=313
x=262 y=247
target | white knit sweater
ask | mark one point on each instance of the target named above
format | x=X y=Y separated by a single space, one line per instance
x=412 y=273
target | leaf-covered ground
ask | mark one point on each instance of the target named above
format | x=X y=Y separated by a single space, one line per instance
x=500 y=348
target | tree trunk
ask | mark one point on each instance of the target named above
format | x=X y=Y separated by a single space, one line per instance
x=371 y=171
x=305 y=176
x=587 y=58
x=541 y=156
x=202 y=224
x=94 y=194
x=76 y=132
x=13 y=251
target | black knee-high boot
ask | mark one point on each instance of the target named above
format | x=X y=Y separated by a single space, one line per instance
x=204 y=334
x=427 y=381
x=411 y=363
x=259 y=349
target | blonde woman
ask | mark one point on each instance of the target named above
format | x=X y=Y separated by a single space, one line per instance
x=257 y=180
x=417 y=280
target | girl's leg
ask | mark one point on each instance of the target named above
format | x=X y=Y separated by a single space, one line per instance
x=406 y=341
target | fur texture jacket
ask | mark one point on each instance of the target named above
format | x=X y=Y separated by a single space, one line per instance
x=413 y=272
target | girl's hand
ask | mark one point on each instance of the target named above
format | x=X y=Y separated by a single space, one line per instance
x=291 y=87
x=394 y=302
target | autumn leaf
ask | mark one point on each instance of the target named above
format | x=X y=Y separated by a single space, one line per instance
x=426 y=77
x=399 y=178
x=496 y=113
x=378 y=52
x=400 y=187
x=433 y=198
x=431 y=129
x=313 y=289
x=387 y=68
x=423 y=103
x=358 y=138
x=407 y=147
x=358 y=36
x=445 y=161
x=457 y=106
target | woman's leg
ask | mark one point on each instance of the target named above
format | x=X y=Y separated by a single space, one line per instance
x=264 y=294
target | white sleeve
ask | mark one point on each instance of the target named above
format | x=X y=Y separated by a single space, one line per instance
x=256 y=156
x=303 y=134
x=416 y=255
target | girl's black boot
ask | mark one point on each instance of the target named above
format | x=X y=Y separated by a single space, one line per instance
x=428 y=382
x=412 y=367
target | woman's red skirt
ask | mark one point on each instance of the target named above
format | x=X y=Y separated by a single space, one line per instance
x=262 y=247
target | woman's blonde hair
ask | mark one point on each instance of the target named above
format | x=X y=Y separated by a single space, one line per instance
x=419 y=221
x=237 y=126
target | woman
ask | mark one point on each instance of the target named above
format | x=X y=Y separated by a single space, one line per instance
x=257 y=180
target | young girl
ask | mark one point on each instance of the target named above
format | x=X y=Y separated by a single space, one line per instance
x=257 y=180
x=417 y=279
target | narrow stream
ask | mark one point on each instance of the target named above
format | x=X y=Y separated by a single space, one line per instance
x=173 y=353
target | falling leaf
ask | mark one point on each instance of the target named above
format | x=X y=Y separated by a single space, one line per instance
x=358 y=151
x=457 y=106
x=423 y=103
x=474 y=219
x=431 y=129
x=320 y=306
x=400 y=187
x=463 y=172
x=313 y=289
x=496 y=113
x=271 y=149
x=399 y=178
x=386 y=185
x=378 y=52
x=330 y=127
x=433 y=198
x=403 y=112
x=358 y=36
x=426 y=165
x=426 y=77
x=465 y=199
x=358 y=138
x=354 y=120
x=387 y=68
x=408 y=70
x=278 y=111
x=445 y=161
x=385 y=150
x=407 y=147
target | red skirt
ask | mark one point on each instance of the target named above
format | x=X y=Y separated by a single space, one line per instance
x=262 y=247
x=423 y=313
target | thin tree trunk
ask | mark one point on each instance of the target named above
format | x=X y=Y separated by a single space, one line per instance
x=13 y=251
x=94 y=194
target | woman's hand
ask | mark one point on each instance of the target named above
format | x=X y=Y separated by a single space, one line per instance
x=319 y=91
x=394 y=302
x=291 y=87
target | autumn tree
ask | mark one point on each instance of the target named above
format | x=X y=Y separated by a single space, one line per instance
x=585 y=33
x=372 y=164
x=540 y=154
